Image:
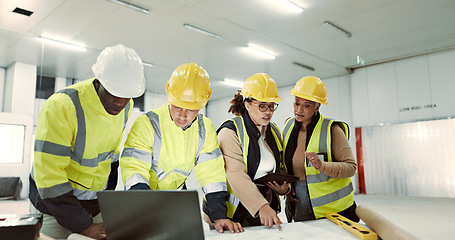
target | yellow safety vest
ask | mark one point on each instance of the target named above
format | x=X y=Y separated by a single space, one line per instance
x=327 y=194
x=244 y=139
x=76 y=142
x=162 y=155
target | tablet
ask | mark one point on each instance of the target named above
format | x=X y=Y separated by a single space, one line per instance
x=278 y=177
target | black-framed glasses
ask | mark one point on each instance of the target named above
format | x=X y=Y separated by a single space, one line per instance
x=263 y=107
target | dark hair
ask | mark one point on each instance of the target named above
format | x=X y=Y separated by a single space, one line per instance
x=237 y=107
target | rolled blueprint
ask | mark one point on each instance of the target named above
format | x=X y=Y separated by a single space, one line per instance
x=385 y=229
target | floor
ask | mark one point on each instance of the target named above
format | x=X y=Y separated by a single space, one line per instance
x=424 y=217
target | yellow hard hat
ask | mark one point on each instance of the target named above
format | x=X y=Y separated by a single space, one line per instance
x=189 y=87
x=261 y=87
x=311 y=88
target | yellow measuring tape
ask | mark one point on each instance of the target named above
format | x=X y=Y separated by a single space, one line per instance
x=352 y=227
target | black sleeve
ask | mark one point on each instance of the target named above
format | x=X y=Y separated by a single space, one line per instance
x=68 y=212
x=66 y=209
x=215 y=206
x=113 y=176
x=140 y=186
x=227 y=124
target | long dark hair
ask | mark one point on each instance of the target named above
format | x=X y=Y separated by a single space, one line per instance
x=237 y=107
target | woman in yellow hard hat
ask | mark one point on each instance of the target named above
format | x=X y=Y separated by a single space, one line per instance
x=316 y=149
x=251 y=146
x=167 y=143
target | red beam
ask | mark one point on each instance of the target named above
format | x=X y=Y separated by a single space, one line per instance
x=360 y=170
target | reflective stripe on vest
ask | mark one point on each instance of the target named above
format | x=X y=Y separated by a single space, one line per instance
x=214 y=187
x=290 y=123
x=276 y=131
x=332 y=197
x=239 y=126
x=322 y=139
x=157 y=143
x=135 y=179
x=54 y=191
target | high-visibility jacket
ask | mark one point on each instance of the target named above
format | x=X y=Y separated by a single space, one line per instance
x=244 y=139
x=76 y=142
x=162 y=155
x=327 y=194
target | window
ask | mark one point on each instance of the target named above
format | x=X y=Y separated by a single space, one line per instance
x=12 y=143
x=45 y=87
x=139 y=102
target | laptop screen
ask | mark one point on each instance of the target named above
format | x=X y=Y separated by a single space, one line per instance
x=147 y=214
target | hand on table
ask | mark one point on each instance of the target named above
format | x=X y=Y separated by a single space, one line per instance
x=268 y=217
x=96 y=231
x=227 y=224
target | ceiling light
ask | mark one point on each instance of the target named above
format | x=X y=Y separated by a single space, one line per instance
x=259 y=51
x=63 y=44
x=132 y=6
x=290 y=5
x=348 y=34
x=233 y=83
x=200 y=30
x=304 y=66
x=147 y=64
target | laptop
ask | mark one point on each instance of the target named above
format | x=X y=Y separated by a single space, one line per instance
x=143 y=214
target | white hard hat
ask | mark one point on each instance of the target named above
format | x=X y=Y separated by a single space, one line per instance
x=119 y=69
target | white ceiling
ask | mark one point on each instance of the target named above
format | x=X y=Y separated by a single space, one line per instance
x=382 y=30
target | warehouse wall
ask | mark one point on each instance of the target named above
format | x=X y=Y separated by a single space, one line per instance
x=2 y=87
x=404 y=109
x=413 y=89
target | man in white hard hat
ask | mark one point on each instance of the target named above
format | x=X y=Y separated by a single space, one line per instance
x=77 y=144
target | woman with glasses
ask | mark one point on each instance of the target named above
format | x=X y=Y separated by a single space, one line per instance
x=251 y=146
x=316 y=149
